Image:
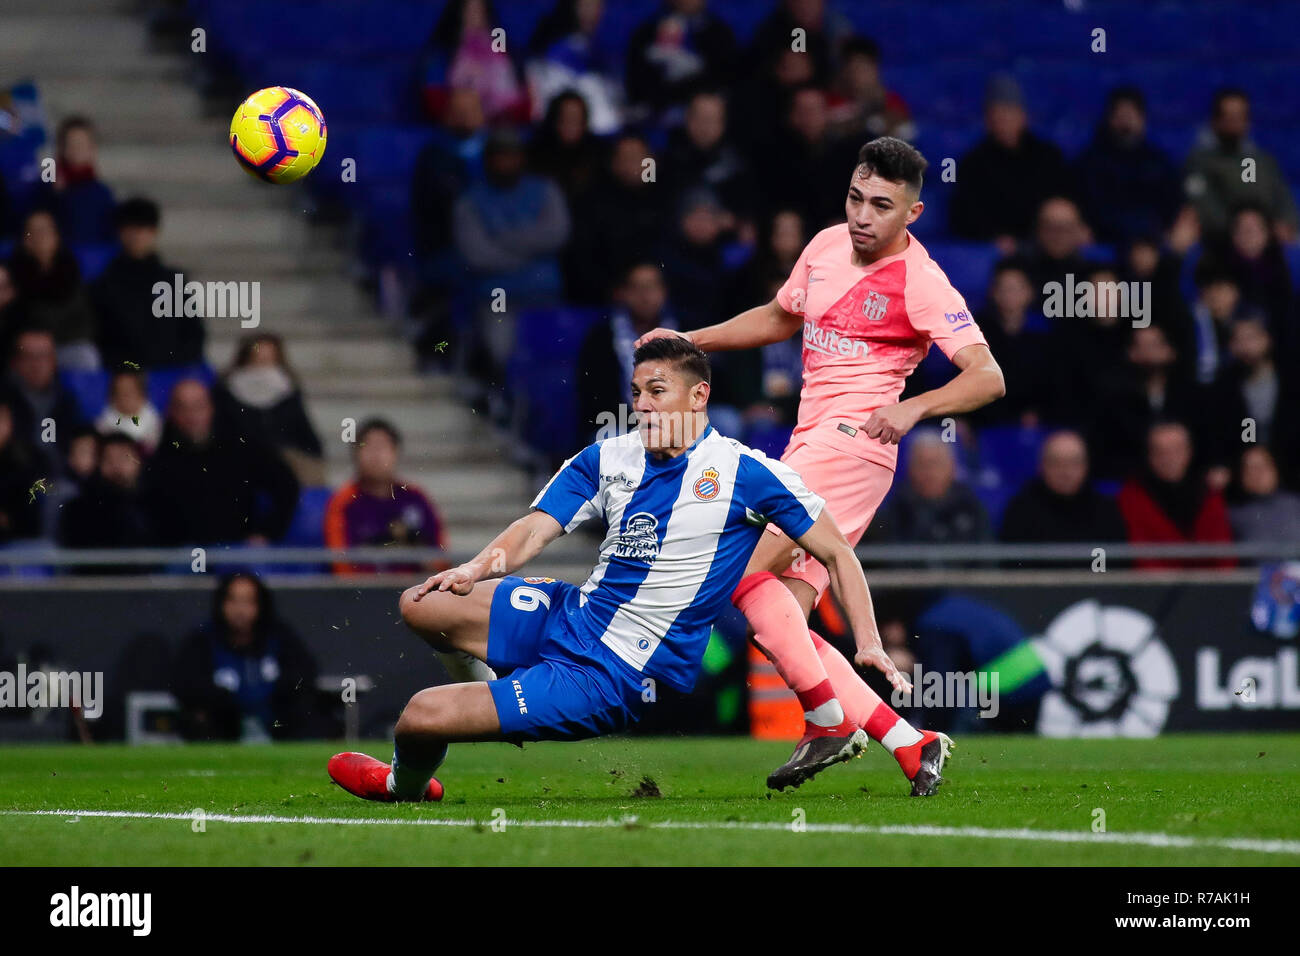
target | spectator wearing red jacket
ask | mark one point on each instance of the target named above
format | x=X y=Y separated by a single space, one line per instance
x=1168 y=503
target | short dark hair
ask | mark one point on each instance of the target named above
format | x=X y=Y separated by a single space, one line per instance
x=1225 y=93
x=137 y=211
x=682 y=352
x=379 y=425
x=71 y=123
x=890 y=158
x=1126 y=94
x=860 y=46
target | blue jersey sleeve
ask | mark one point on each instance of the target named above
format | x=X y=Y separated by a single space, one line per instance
x=774 y=492
x=570 y=497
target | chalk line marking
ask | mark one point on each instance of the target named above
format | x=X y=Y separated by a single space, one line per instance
x=1248 y=844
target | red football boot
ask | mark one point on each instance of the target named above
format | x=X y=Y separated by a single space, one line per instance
x=923 y=762
x=367 y=778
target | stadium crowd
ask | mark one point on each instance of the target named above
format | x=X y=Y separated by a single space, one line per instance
x=676 y=188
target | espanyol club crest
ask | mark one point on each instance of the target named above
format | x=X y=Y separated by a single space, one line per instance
x=708 y=485
x=874 y=306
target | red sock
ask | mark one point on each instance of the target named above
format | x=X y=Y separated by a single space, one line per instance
x=862 y=705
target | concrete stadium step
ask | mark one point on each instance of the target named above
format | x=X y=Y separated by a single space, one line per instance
x=200 y=162
x=386 y=388
x=308 y=304
x=292 y=262
x=420 y=420
x=378 y=357
x=60 y=43
x=295 y=327
x=62 y=8
x=453 y=486
x=191 y=227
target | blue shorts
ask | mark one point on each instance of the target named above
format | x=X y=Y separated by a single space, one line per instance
x=557 y=686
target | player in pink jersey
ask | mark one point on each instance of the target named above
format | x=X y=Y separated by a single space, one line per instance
x=870 y=301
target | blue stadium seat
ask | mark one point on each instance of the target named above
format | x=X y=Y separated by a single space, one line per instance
x=307 y=529
x=1012 y=452
x=164 y=378
x=89 y=388
x=768 y=438
x=92 y=258
x=968 y=265
x=542 y=373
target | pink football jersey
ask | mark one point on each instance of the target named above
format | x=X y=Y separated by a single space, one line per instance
x=865 y=329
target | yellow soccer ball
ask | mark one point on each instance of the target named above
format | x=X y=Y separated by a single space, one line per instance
x=278 y=134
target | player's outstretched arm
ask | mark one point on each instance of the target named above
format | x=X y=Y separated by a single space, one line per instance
x=978 y=383
x=514 y=547
x=753 y=328
x=827 y=544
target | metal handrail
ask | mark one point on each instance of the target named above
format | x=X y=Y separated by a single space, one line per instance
x=36 y=555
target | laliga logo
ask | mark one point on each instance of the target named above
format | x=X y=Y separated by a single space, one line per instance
x=1111 y=674
x=710 y=483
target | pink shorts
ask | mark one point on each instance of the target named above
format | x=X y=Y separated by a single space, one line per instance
x=853 y=488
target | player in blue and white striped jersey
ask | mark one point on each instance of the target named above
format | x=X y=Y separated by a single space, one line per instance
x=684 y=508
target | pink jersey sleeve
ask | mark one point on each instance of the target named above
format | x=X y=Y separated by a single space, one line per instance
x=794 y=294
x=937 y=310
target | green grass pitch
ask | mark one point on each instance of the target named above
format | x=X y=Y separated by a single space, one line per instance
x=1175 y=800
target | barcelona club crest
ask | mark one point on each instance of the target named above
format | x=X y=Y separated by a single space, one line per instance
x=709 y=484
x=874 y=306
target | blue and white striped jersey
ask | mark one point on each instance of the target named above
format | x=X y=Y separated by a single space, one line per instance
x=680 y=532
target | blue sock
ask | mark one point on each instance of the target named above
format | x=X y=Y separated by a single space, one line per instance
x=409 y=778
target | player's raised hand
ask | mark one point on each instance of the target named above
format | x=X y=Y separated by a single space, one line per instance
x=877 y=658
x=658 y=334
x=889 y=423
x=459 y=580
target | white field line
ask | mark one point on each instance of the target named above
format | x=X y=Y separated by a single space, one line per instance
x=1248 y=844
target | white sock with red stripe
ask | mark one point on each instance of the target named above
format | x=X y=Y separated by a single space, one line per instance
x=896 y=735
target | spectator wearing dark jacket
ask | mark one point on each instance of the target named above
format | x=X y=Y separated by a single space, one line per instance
x=565 y=150
x=245 y=674
x=48 y=280
x=1058 y=505
x=809 y=158
x=20 y=505
x=204 y=482
x=1169 y=502
x=623 y=220
x=261 y=396
x=1005 y=178
x=1013 y=326
x=1145 y=389
x=11 y=310
x=932 y=506
x=43 y=410
x=693 y=260
x=700 y=154
x=124 y=298
x=81 y=203
x=681 y=47
x=1252 y=255
x=111 y=511
x=1128 y=187
x=605 y=358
